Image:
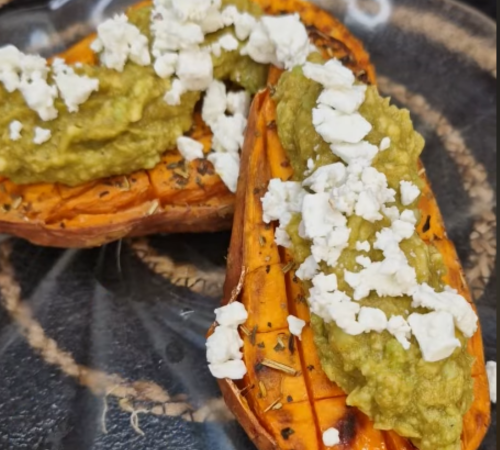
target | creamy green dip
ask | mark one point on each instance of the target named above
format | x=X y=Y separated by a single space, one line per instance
x=124 y=127
x=396 y=388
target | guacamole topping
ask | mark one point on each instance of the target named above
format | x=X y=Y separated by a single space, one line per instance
x=125 y=124
x=349 y=218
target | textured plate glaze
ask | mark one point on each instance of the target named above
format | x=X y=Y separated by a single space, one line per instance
x=104 y=349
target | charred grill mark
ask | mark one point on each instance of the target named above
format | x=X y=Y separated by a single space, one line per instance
x=427 y=225
x=347 y=427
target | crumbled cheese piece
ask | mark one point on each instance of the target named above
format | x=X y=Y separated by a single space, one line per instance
x=238 y=103
x=193 y=10
x=319 y=217
x=118 y=40
x=166 y=64
x=171 y=34
x=173 y=96
x=364 y=261
x=333 y=74
x=325 y=283
x=330 y=248
x=296 y=326
x=227 y=166
x=448 y=301
x=224 y=345
x=228 y=42
x=16 y=67
x=195 y=69
x=232 y=370
x=363 y=152
x=409 y=192
x=335 y=127
x=344 y=315
x=363 y=246
x=189 y=148
x=392 y=213
x=346 y=100
x=212 y=22
x=308 y=269
x=216 y=49
x=42 y=135
x=15 y=129
x=385 y=144
x=331 y=437
x=408 y=216
x=326 y=178
x=232 y=315
x=244 y=23
x=40 y=96
x=372 y=319
x=491 y=370
x=214 y=103
x=74 y=89
x=400 y=329
x=393 y=277
x=282 y=41
x=435 y=333
x=229 y=133
x=281 y=200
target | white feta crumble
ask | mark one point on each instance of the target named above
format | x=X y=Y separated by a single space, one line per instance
x=170 y=33
x=195 y=69
x=224 y=345
x=214 y=103
x=232 y=370
x=296 y=326
x=318 y=217
x=281 y=200
x=238 y=103
x=173 y=96
x=363 y=246
x=229 y=133
x=42 y=135
x=193 y=10
x=227 y=166
x=118 y=40
x=330 y=248
x=435 y=333
x=189 y=148
x=331 y=437
x=362 y=152
x=15 y=129
x=372 y=319
x=282 y=41
x=401 y=330
x=244 y=23
x=308 y=269
x=409 y=192
x=385 y=144
x=346 y=100
x=344 y=315
x=40 y=96
x=166 y=64
x=326 y=178
x=335 y=127
x=331 y=75
x=491 y=370
x=74 y=89
x=364 y=261
x=447 y=301
x=228 y=42
x=232 y=315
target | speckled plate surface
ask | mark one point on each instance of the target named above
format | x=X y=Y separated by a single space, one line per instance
x=104 y=349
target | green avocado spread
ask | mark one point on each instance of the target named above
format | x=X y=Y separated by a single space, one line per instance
x=123 y=127
x=400 y=391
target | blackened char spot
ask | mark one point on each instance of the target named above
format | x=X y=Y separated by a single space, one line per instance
x=347 y=427
x=427 y=225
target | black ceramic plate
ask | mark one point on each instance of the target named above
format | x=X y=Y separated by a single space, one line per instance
x=104 y=349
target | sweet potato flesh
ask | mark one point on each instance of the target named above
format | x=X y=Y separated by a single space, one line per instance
x=290 y=404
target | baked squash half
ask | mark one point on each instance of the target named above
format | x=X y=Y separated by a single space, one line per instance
x=286 y=400
x=174 y=197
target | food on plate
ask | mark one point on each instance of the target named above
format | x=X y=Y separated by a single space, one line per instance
x=137 y=129
x=347 y=320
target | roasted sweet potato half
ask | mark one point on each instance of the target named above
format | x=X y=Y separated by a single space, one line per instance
x=173 y=197
x=291 y=403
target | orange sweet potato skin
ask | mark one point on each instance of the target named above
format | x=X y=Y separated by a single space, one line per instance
x=257 y=275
